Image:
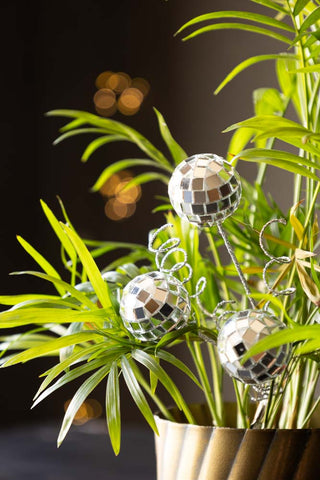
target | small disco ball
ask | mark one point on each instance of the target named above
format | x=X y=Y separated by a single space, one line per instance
x=241 y=332
x=205 y=189
x=153 y=304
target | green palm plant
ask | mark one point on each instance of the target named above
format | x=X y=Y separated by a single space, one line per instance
x=81 y=325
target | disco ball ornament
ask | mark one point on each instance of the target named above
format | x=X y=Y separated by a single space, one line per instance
x=242 y=331
x=153 y=304
x=205 y=189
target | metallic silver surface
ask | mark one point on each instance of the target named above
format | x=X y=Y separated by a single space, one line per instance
x=242 y=331
x=204 y=189
x=153 y=304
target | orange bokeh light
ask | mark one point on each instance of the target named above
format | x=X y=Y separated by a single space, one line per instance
x=116 y=210
x=141 y=84
x=105 y=102
x=131 y=195
x=101 y=80
x=90 y=409
x=118 y=82
x=130 y=101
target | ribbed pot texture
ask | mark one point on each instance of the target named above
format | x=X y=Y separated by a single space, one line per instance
x=193 y=452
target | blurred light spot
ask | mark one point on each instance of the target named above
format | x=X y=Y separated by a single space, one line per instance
x=130 y=101
x=105 y=102
x=90 y=409
x=119 y=82
x=116 y=210
x=101 y=80
x=109 y=187
x=131 y=195
x=141 y=84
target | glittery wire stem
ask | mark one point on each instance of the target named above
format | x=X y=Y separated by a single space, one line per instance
x=236 y=263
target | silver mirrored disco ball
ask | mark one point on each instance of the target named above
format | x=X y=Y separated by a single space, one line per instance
x=153 y=304
x=205 y=189
x=242 y=331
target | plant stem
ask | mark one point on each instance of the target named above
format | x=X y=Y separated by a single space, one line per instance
x=197 y=357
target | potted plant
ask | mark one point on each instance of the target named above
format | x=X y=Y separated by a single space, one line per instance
x=124 y=320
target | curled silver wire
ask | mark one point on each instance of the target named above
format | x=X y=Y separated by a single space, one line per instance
x=279 y=260
x=167 y=248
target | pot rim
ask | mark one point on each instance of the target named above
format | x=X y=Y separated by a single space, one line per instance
x=184 y=424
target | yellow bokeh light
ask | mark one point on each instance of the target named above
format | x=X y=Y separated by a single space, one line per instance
x=116 y=210
x=130 y=195
x=90 y=409
x=101 y=80
x=109 y=187
x=118 y=82
x=141 y=84
x=105 y=102
x=130 y=101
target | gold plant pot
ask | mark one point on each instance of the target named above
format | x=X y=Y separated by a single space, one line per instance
x=203 y=452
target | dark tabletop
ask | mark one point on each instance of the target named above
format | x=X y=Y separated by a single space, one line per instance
x=30 y=453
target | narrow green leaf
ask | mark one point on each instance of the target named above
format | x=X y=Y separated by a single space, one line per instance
x=41 y=261
x=239 y=141
x=82 y=393
x=78 y=131
x=170 y=358
x=121 y=165
x=239 y=26
x=83 y=299
x=16 y=299
x=80 y=355
x=55 y=224
x=177 y=152
x=310 y=20
x=69 y=377
x=113 y=408
x=99 y=142
x=272 y=5
x=310 y=69
x=114 y=127
x=149 y=362
x=299 y=6
x=266 y=155
x=27 y=316
x=52 y=346
x=248 y=63
x=78 y=122
x=254 y=17
x=285 y=165
x=136 y=393
x=145 y=178
x=94 y=275
x=288 y=335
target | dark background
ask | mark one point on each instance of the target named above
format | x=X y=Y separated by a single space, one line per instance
x=52 y=53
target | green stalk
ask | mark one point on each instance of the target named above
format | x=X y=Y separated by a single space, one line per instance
x=163 y=409
x=217 y=260
x=217 y=378
x=197 y=357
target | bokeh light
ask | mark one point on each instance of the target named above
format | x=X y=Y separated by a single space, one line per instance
x=116 y=210
x=141 y=84
x=105 y=102
x=130 y=195
x=118 y=82
x=130 y=101
x=117 y=91
x=90 y=409
x=101 y=80
x=121 y=202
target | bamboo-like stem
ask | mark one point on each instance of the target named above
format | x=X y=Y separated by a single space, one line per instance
x=236 y=264
x=217 y=260
x=217 y=378
x=197 y=357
